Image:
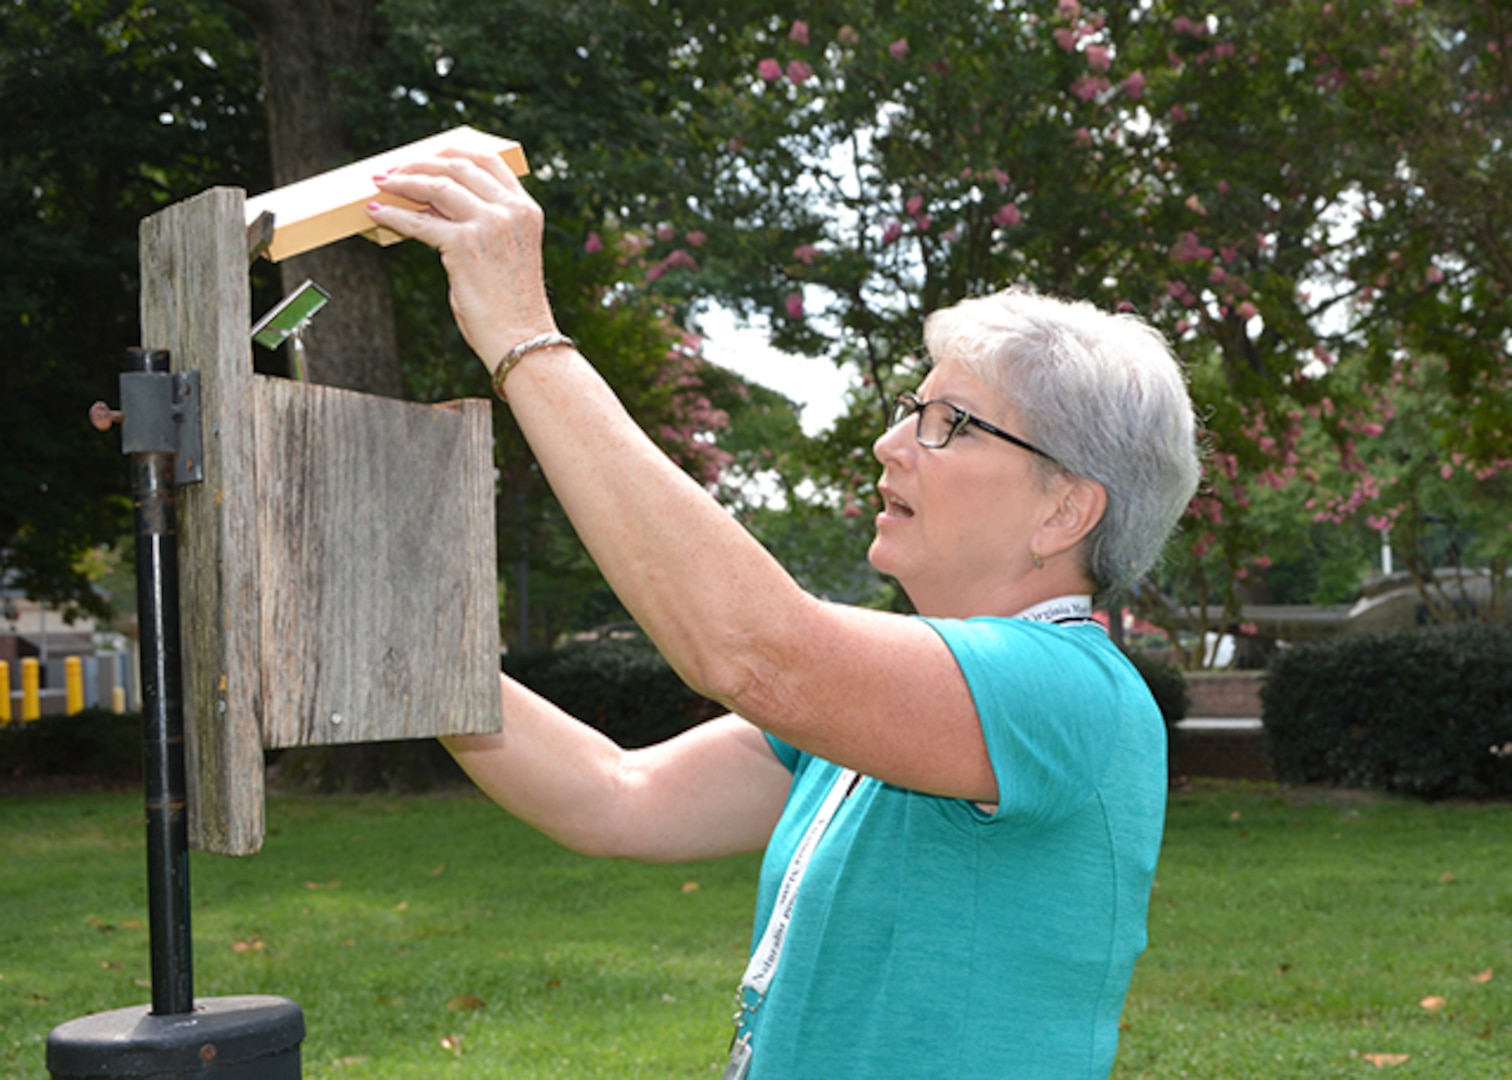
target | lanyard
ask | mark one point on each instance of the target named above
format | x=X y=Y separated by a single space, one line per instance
x=763 y=965
x=1061 y=609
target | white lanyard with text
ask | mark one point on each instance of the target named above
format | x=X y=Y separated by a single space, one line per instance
x=1062 y=609
x=768 y=951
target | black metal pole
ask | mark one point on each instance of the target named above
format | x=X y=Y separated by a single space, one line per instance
x=153 y=498
x=235 y=1038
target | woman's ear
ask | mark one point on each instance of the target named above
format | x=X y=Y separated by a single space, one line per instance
x=1082 y=505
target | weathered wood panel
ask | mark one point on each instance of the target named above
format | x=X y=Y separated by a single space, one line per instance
x=379 y=595
x=196 y=303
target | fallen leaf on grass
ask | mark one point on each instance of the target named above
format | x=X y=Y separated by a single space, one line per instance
x=313 y=885
x=1446 y=878
x=1433 y=1003
x=690 y=886
x=1481 y=976
x=110 y=965
x=1386 y=1061
x=438 y=871
x=252 y=944
x=452 y=1043
x=466 y=1002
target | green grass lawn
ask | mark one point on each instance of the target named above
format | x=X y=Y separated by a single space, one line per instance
x=1293 y=935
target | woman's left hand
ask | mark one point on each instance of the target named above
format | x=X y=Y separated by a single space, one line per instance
x=488 y=229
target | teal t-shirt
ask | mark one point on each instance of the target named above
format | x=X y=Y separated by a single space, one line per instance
x=932 y=938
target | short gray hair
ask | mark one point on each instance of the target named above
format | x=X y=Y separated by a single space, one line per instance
x=1099 y=392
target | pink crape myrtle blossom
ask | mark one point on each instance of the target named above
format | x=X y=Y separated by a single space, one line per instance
x=769 y=69
x=1069 y=9
x=806 y=254
x=1188 y=249
x=891 y=232
x=1065 y=37
x=695 y=238
x=799 y=72
x=1087 y=87
x=847 y=35
x=794 y=305
x=1134 y=85
x=898 y=50
x=1007 y=215
x=594 y=243
x=799 y=32
x=1099 y=58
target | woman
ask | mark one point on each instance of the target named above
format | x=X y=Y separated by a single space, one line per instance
x=961 y=811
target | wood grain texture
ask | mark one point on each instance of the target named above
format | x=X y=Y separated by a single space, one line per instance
x=196 y=302
x=379 y=596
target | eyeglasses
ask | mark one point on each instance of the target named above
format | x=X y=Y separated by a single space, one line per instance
x=940 y=421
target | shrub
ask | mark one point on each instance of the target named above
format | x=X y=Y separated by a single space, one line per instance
x=621 y=685
x=94 y=743
x=1425 y=713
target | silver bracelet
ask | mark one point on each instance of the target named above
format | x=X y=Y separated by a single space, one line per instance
x=522 y=350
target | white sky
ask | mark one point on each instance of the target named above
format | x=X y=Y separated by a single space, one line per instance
x=814 y=383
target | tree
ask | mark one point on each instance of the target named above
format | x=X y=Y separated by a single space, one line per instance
x=109 y=110
x=1304 y=196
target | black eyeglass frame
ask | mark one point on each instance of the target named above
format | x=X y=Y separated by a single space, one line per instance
x=907 y=404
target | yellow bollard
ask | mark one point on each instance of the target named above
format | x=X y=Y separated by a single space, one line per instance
x=118 y=699
x=31 y=689
x=73 y=685
x=5 y=708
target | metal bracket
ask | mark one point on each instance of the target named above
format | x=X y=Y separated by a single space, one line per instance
x=162 y=415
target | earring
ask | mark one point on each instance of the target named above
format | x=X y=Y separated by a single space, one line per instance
x=1038 y=565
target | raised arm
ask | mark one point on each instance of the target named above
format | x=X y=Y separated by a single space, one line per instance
x=878 y=692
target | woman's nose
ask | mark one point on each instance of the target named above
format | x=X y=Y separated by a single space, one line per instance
x=894 y=442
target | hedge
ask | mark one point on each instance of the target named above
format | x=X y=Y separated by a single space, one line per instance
x=620 y=685
x=1426 y=713
x=94 y=743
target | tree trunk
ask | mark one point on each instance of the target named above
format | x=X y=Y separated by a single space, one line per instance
x=304 y=44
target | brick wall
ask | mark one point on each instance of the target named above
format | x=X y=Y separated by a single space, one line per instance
x=1226 y=693
x=1230 y=755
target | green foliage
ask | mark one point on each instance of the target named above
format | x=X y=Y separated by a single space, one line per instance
x=94 y=743
x=619 y=684
x=1425 y=713
x=109 y=110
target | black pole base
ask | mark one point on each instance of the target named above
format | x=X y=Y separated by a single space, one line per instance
x=253 y=1037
